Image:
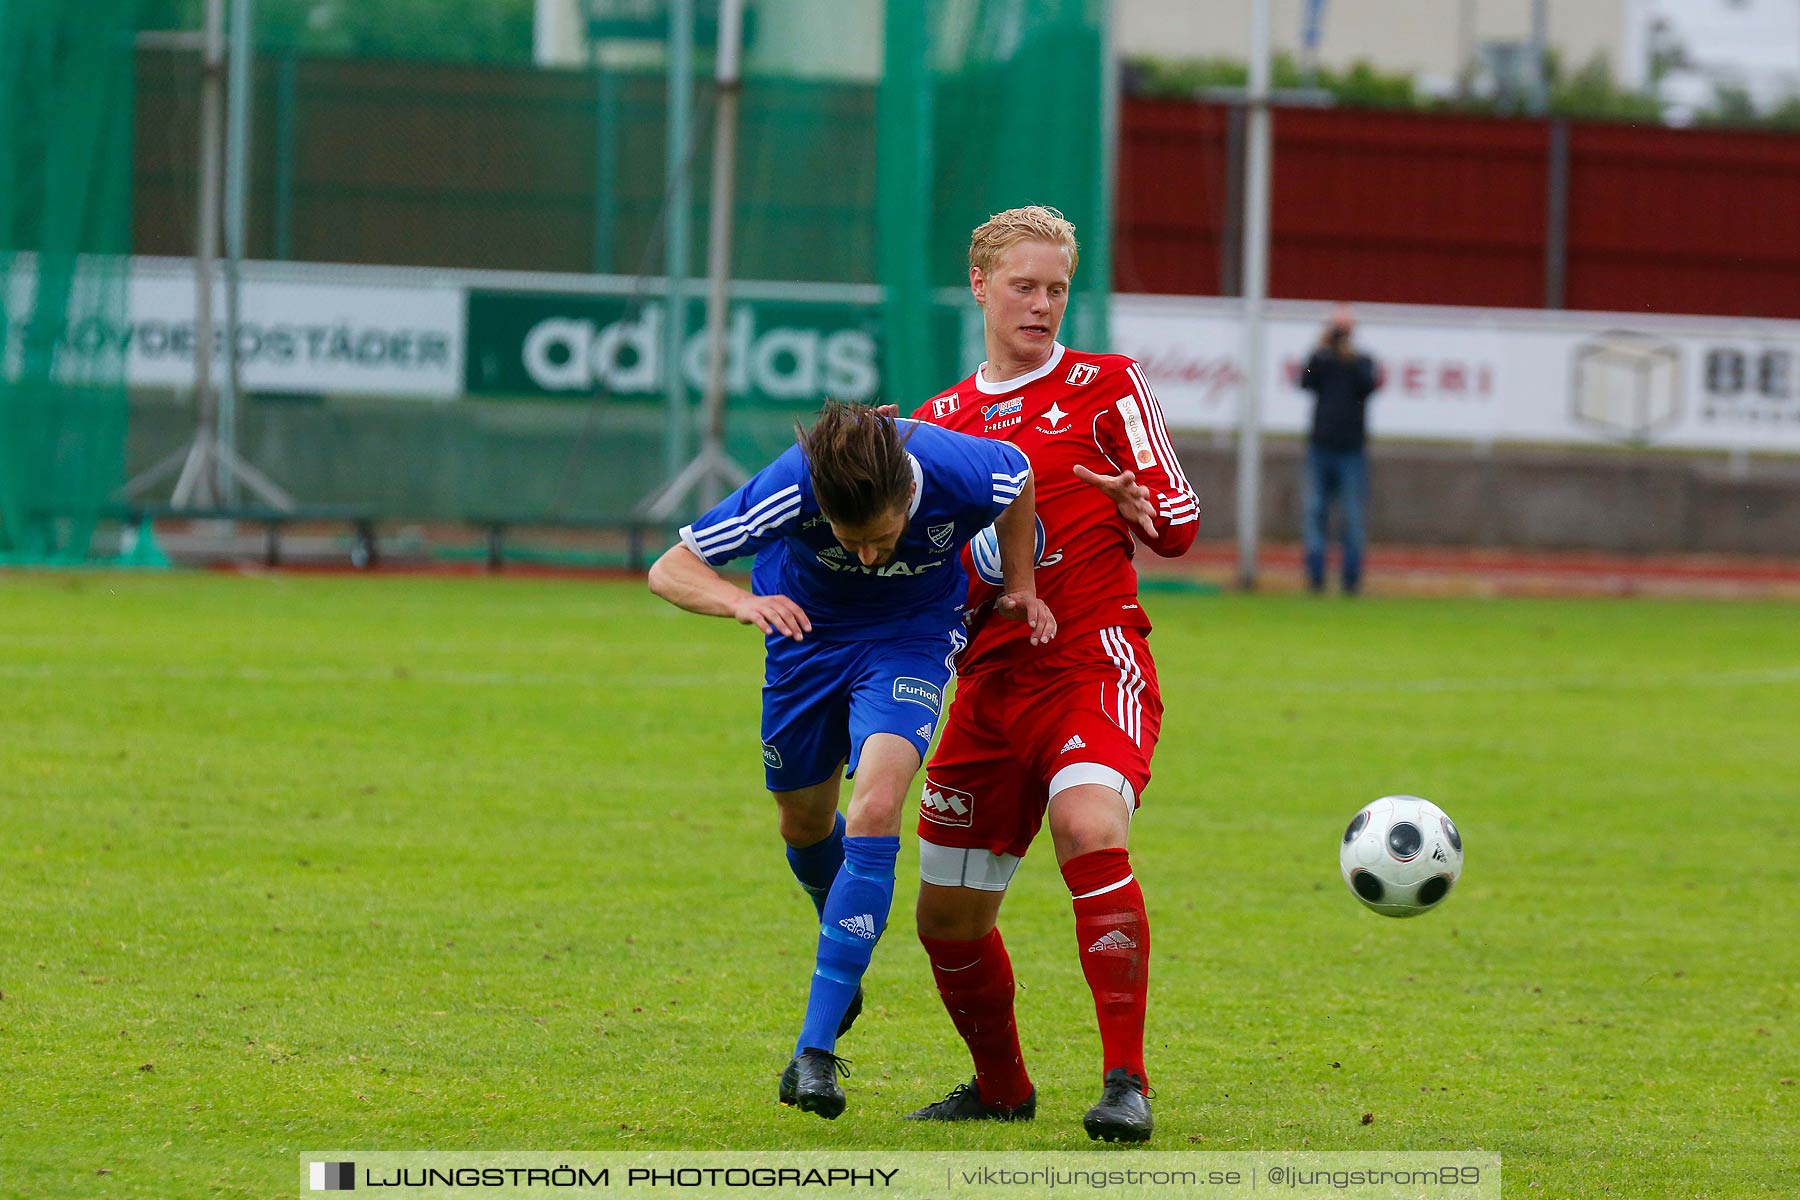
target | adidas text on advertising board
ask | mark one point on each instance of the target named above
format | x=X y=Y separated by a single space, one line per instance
x=582 y=345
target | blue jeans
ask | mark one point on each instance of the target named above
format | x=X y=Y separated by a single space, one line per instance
x=1341 y=476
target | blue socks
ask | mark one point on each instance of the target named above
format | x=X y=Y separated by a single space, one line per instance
x=816 y=866
x=855 y=915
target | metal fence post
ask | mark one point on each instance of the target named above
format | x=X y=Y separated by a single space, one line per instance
x=1556 y=216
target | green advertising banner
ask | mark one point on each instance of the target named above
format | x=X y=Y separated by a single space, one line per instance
x=779 y=353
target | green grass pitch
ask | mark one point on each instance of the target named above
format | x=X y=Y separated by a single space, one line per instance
x=295 y=863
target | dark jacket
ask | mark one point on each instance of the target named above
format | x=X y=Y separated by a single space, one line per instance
x=1341 y=388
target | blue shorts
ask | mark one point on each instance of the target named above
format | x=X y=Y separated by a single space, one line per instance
x=821 y=701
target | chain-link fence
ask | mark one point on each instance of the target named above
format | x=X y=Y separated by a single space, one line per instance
x=456 y=297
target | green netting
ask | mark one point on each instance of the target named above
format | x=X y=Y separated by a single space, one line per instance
x=986 y=105
x=871 y=140
x=65 y=219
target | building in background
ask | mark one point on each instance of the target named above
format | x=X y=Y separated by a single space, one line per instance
x=1437 y=43
x=1694 y=53
x=1689 y=52
x=796 y=39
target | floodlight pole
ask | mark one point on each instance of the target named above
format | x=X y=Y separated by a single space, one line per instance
x=1256 y=286
x=206 y=257
x=1538 y=101
x=713 y=472
x=1309 y=42
x=679 y=193
x=206 y=468
x=1465 y=47
x=237 y=170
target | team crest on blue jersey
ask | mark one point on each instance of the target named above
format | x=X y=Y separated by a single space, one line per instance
x=964 y=482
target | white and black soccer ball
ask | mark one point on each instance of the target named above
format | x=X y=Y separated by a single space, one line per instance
x=1401 y=856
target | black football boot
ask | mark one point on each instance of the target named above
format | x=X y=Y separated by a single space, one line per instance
x=810 y=1083
x=1123 y=1114
x=964 y=1103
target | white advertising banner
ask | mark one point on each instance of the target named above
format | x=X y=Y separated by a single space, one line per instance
x=301 y=330
x=1489 y=375
x=1448 y=374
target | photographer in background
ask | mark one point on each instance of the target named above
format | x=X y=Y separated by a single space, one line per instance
x=1341 y=379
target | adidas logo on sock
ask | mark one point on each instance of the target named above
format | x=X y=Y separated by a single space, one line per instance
x=1074 y=743
x=863 y=926
x=1116 y=940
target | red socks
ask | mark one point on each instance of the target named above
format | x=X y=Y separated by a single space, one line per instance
x=1112 y=935
x=975 y=980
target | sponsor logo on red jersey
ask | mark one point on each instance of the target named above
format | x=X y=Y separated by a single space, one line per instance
x=946 y=806
x=943 y=406
x=1135 y=433
x=1097 y=413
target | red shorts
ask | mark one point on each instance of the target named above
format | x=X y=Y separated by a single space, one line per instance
x=1088 y=711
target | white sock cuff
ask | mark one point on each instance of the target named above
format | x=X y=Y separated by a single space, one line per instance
x=1111 y=887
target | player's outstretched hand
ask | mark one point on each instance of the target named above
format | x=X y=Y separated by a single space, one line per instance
x=1132 y=497
x=774 y=614
x=1025 y=606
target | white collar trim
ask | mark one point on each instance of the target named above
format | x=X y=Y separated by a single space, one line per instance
x=1007 y=385
x=918 y=485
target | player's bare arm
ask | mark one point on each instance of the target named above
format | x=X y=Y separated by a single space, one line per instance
x=1131 y=497
x=681 y=578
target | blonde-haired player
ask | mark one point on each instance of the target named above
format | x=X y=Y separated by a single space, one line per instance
x=1065 y=736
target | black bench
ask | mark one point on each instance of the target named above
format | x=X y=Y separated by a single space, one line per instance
x=496 y=527
x=363 y=521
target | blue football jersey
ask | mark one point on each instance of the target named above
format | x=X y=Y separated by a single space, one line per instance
x=963 y=484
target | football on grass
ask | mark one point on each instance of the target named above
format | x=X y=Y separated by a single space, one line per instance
x=1401 y=856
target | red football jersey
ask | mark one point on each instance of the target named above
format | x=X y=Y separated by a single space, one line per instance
x=1096 y=410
